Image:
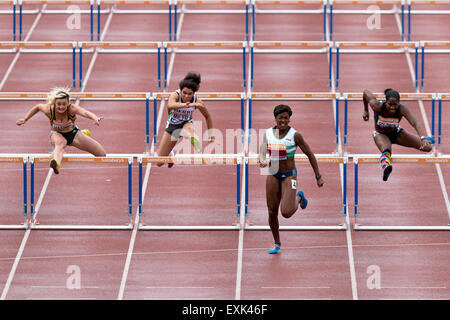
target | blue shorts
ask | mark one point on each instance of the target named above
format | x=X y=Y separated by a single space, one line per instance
x=283 y=175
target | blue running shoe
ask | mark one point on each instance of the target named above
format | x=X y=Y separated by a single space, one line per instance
x=275 y=248
x=303 y=200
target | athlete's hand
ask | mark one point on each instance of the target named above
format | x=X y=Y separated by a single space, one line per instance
x=262 y=163
x=97 y=120
x=320 y=182
x=365 y=116
x=21 y=121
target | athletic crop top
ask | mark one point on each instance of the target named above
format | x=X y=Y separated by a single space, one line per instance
x=281 y=149
x=384 y=123
x=180 y=115
x=61 y=125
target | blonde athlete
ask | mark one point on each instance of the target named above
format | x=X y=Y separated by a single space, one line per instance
x=64 y=132
x=181 y=105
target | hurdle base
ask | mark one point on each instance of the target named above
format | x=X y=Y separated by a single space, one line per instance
x=13 y=227
x=299 y=228
x=357 y=227
x=188 y=228
x=80 y=227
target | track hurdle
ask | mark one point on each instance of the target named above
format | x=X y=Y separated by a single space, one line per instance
x=290 y=47
x=295 y=96
x=89 y=3
x=42 y=47
x=424 y=2
x=168 y=3
x=81 y=158
x=183 y=3
x=207 y=47
x=252 y=159
x=18 y=158
x=418 y=159
x=322 y=11
x=435 y=47
x=403 y=96
x=121 y=47
x=376 y=47
x=440 y=97
x=394 y=10
x=190 y=159
x=13 y=12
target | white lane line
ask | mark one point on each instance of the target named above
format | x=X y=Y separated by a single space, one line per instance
x=413 y=287
x=16 y=57
x=45 y=186
x=295 y=287
x=427 y=127
x=27 y=232
x=348 y=234
x=130 y=253
x=165 y=287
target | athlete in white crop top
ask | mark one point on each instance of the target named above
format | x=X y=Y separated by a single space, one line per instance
x=181 y=105
x=281 y=142
x=64 y=132
x=387 y=116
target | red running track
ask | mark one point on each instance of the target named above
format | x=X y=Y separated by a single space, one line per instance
x=333 y=265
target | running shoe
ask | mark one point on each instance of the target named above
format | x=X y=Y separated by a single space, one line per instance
x=386 y=172
x=86 y=132
x=303 y=201
x=197 y=145
x=275 y=248
x=172 y=154
x=55 y=166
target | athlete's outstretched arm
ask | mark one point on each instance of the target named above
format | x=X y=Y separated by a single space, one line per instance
x=370 y=100
x=312 y=158
x=35 y=109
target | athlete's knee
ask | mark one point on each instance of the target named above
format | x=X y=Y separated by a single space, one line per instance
x=287 y=211
x=99 y=153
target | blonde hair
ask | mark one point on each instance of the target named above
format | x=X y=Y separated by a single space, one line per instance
x=58 y=93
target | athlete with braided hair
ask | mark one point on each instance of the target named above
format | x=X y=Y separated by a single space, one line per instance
x=387 y=116
x=64 y=132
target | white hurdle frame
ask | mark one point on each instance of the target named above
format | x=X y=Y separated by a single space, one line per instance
x=18 y=158
x=372 y=158
x=252 y=159
x=81 y=158
x=192 y=159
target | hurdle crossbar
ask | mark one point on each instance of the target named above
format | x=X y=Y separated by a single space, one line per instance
x=43 y=46
x=437 y=47
x=206 y=96
x=371 y=158
x=299 y=96
x=191 y=159
x=81 y=158
x=376 y=47
x=253 y=159
x=322 y=10
x=18 y=158
x=290 y=47
x=133 y=47
x=332 y=10
x=214 y=47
